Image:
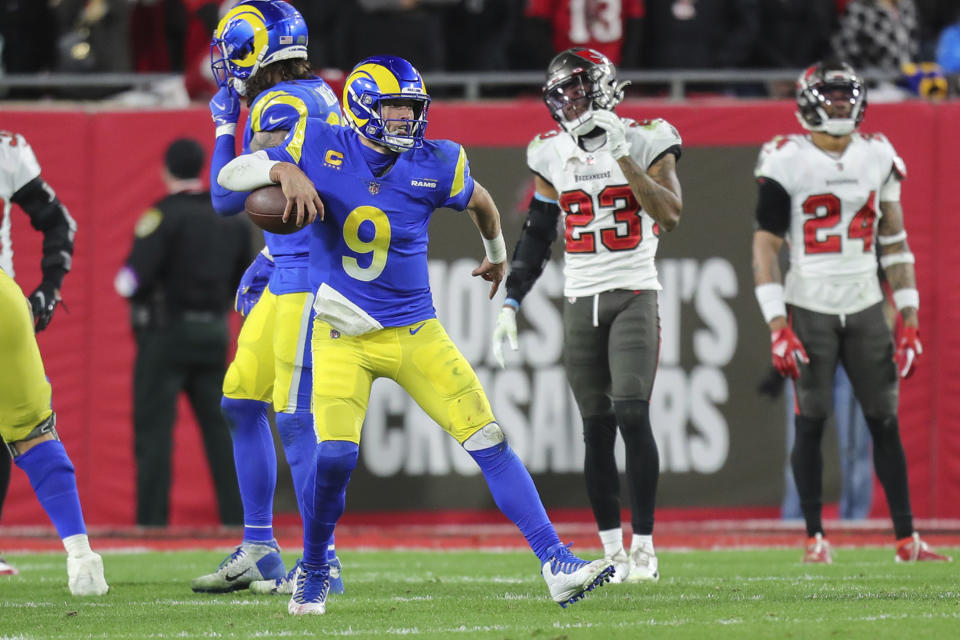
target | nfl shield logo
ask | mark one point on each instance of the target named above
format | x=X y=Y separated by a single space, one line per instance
x=374 y=187
x=334 y=334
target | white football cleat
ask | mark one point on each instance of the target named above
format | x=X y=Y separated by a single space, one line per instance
x=7 y=569
x=569 y=578
x=643 y=564
x=310 y=595
x=85 y=575
x=621 y=566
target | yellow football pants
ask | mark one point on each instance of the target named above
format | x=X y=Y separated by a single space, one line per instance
x=421 y=358
x=273 y=359
x=24 y=389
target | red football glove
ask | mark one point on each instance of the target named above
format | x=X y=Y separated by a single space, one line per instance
x=787 y=351
x=908 y=350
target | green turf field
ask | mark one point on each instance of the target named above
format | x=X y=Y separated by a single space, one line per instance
x=702 y=594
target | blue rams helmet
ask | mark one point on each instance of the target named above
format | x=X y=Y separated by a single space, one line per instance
x=386 y=78
x=252 y=34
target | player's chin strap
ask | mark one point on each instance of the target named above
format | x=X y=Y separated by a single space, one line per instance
x=42 y=429
x=589 y=136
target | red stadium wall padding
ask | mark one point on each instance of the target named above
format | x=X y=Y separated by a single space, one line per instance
x=943 y=439
x=105 y=165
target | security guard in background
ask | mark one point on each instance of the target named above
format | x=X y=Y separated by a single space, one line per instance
x=180 y=278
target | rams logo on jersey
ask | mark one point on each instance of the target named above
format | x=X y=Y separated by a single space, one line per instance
x=429 y=183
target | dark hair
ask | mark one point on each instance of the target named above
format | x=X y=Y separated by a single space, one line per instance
x=279 y=71
x=184 y=158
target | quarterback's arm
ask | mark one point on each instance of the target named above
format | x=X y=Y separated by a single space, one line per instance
x=657 y=189
x=897 y=260
x=533 y=247
x=225 y=201
x=254 y=170
x=485 y=215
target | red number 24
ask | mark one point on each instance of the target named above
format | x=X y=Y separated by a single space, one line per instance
x=825 y=211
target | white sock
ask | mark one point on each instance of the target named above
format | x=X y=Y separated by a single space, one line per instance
x=612 y=540
x=77 y=545
x=642 y=540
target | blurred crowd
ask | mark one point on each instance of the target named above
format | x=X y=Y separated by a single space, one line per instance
x=917 y=39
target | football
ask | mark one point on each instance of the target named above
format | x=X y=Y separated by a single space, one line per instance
x=265 y=207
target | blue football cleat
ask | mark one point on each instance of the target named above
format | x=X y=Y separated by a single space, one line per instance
x=336 y=578
x=249 y=562
x=283 y=585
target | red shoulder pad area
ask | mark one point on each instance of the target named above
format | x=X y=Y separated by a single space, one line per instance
x=548 y=134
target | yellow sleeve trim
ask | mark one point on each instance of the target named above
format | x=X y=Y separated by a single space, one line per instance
x=458 y=174
x=295 y=144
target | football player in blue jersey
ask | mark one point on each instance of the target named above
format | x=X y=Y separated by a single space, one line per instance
x=380 y=182
x=259 y=52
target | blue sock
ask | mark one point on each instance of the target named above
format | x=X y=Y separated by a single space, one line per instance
x=51 y=475
x=325 y=496
x=300 y=446
x=514 y=492
x=256 y=461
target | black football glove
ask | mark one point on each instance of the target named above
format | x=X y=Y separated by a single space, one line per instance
x=43 y=301
x=771 y=385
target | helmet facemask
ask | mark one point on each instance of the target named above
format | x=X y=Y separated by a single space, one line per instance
x=402 y=134
x=831 y=100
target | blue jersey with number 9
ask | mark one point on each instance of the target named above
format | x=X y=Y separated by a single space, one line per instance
x=372 y=245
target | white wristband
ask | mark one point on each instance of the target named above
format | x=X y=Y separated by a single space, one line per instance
x=903 y=298
x=770 y=297
x=496 y=249
x=247 y=172
x=892 y=239
x=900 y=257
x=228 y=129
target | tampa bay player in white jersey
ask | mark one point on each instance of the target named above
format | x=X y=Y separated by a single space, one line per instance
x=27 y=422
x=833 y=195
x=614 y=181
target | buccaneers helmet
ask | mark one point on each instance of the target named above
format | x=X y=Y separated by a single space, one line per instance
x=580 y=80
x=822 y=89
